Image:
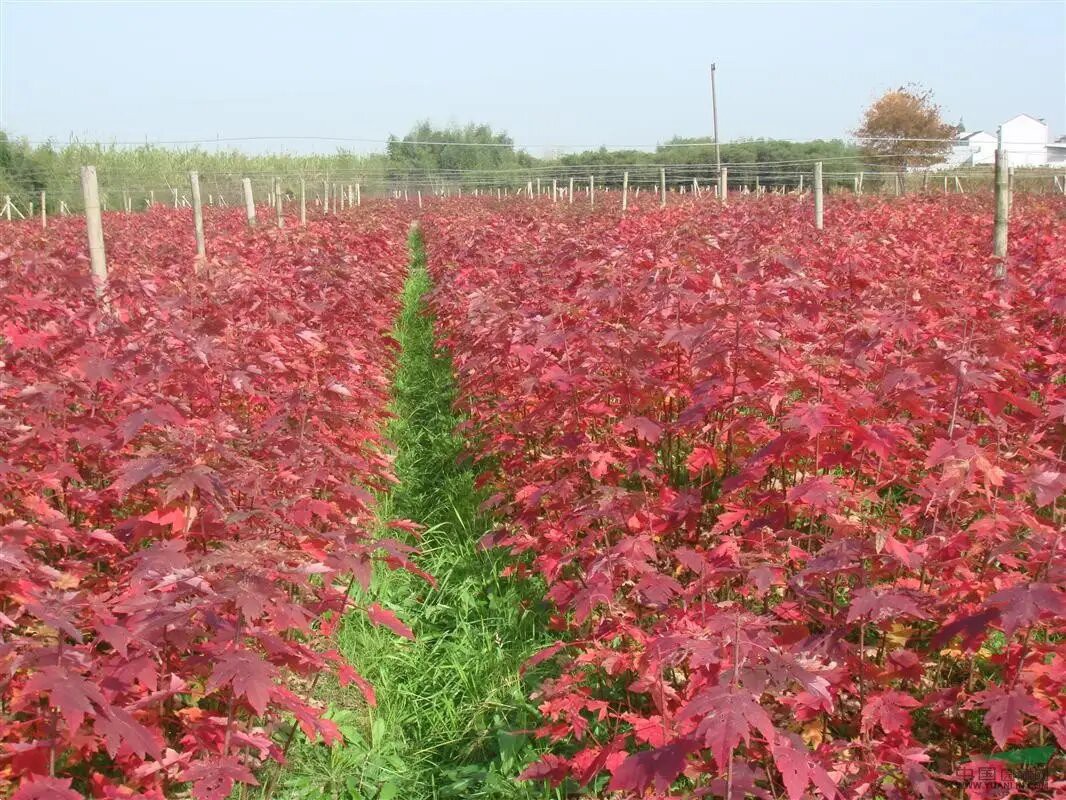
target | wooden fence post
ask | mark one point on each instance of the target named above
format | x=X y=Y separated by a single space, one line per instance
x=197 y=217
x=358 y=196
x=94 y=227
x=325 y=196
x=570 y=193
x=175 y=190
x=1002 y=196
x=249 y=203
x=555 y=190
x=662 y=187
x=818 y=195
x=592 y=190
x=625 y=191
x=1010 y=188
x=44 y=212
x=723 y=184
x=303 y=202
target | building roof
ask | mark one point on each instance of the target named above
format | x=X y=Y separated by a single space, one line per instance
x=1029 y=116
x=964 y=137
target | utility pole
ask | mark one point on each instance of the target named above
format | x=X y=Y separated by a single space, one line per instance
x=714 y=111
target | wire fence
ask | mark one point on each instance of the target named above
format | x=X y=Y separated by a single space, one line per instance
x=126 y=189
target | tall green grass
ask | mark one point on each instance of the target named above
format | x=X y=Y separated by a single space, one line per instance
x=452 y=706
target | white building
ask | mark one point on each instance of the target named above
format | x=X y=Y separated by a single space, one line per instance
x=1025 y=138
x=973 y=149
x=1056 y=151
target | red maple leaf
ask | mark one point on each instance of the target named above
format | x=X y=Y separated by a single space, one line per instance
x=382 y=616
x=214 y=778
x=37 y=787
x=889 y=710
x=247 y=674
x=658 y=768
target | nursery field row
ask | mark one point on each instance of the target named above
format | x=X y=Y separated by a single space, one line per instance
x=797 y=495
x=186 y=493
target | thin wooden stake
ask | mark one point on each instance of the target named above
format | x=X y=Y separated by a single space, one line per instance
x=723 y=184
x=662 y=187
x=358 y=196
x=279 y=199
x=94 y=227
x=570 y=193
x=44 y=211
x=625 y=191
x=303 y=202
x=592 y=190
x=818 y=195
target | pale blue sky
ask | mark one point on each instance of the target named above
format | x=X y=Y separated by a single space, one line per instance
x=549 y=73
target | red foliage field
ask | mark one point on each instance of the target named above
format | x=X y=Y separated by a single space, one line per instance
x=797 y=496
x=184 y=491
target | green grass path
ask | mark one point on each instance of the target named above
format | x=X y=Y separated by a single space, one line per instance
x=450 y=704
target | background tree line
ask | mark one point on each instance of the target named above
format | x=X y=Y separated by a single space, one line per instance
x=483 y=155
